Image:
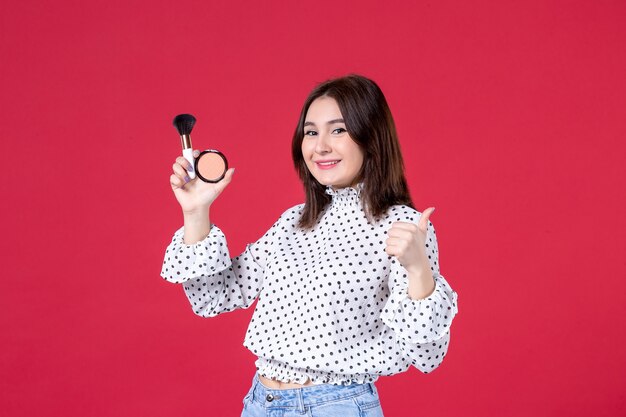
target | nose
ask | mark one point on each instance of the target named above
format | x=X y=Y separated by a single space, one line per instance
x=322 y=145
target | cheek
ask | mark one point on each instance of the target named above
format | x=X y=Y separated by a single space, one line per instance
x=356 y=158
x=306 y=150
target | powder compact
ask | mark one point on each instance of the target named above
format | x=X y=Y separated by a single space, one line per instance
x=211 y=165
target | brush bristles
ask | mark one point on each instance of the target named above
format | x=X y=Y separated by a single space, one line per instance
x=184 y=123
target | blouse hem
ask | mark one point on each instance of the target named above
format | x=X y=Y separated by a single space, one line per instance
x=285 y=373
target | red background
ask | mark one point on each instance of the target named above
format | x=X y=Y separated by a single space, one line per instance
x=512 y=122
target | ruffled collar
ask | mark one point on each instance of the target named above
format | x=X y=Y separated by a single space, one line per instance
x=346 y=196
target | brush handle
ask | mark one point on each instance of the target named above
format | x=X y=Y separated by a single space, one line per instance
x=188 y=154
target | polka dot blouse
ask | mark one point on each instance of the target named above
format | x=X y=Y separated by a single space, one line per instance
x=332 y=305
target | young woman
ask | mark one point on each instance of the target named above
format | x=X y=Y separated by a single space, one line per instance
x=348 y=283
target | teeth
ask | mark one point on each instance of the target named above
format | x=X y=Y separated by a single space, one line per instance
x=328 y=163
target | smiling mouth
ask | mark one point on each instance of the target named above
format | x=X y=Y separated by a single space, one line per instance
x=327 y=164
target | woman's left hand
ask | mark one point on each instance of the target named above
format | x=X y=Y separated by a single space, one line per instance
x=406 y=241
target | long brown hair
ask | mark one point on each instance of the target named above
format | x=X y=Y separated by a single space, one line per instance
x=370 y=124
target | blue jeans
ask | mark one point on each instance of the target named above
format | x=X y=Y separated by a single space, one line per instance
x=355 y=400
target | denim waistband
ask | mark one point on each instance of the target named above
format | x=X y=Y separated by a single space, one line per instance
x=306 y=396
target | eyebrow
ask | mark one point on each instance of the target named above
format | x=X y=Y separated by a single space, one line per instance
x=330 y=122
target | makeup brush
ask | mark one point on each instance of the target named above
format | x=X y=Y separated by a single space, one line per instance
x=184 y=124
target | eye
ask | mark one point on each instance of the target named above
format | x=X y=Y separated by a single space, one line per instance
x=310 y=133
x=339 y=130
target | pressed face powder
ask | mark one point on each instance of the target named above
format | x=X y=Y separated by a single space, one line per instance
x=211 y=166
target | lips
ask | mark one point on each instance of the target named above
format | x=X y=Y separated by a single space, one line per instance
x=328 y=164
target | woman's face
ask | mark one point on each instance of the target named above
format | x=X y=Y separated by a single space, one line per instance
x=331 y=155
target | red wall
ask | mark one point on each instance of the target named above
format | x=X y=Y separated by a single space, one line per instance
x=512 y=121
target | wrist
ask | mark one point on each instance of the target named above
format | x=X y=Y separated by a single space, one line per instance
x=197 y=226
x=196 y=212
x=421 y=284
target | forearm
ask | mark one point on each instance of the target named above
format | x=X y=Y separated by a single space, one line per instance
x=197 y=226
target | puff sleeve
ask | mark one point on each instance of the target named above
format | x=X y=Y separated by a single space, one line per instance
x=422 y=327
x=213 y=282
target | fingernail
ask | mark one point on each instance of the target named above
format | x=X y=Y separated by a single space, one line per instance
x=187 y=179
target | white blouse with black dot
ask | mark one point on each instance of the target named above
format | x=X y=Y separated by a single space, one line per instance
x=332 y=305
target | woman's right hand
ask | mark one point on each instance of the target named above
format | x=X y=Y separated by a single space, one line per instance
x=194 y=195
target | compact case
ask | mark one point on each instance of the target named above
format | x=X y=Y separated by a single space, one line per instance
x=211 y=166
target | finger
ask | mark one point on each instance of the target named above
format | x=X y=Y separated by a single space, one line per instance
x=180 y=172
x=226 y=180
x=403 y=227
x=392 y=250
x=411 y=227
x=423 y=223
x=228 y=176
x=176 y=182
x=401 y=233
x=196 y=153
x=182 y=161
x=396 y=242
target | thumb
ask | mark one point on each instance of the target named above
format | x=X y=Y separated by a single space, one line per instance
x=229 y=175
x=226 y=180
x=424 y=218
